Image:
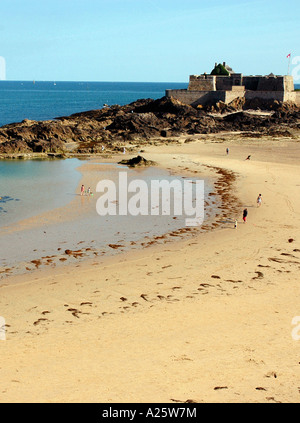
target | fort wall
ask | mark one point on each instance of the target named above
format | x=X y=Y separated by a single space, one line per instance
x=202 y=83
x=236 y=92
x=255 y=83
x=194 y=98
x=208 y=89
x=265 y=95
x=226 y=82
x=271 y=84
x=288 y=83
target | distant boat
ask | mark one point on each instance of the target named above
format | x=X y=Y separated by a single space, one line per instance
x=33 y=82
x=54 y=83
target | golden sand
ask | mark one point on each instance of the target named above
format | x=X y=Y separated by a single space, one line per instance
x=206 y=318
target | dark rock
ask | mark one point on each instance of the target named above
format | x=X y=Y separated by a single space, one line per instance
x=137 y=161
x=141 y=120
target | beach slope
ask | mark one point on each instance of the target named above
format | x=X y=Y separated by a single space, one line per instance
x=207 y=319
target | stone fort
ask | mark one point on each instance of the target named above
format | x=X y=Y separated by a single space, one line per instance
x=223 y=84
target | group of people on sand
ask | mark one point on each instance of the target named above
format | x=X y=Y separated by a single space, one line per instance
x=245 y=211
x=85 y=192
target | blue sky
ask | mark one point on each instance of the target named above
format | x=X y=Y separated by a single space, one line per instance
x=145 y=40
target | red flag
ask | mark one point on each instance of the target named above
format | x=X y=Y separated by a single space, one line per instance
x=289 y=55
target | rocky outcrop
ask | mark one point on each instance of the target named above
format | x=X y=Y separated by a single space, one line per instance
x=137 y=161
x=107 y=128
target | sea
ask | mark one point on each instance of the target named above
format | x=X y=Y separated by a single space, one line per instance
x=43 y=100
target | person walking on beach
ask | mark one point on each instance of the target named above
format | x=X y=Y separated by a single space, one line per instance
x=259 y=199
x=82 y=190
x=227 y=150
x=235 y=224
x=245 y=214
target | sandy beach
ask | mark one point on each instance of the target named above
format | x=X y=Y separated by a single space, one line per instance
x=204 y=317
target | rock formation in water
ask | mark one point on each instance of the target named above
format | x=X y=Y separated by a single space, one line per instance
x=137 y=161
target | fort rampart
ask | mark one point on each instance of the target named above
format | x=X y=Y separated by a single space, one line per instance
x=208 y=89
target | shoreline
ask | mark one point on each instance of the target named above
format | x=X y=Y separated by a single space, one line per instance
x=206 y=318
x=65 y=214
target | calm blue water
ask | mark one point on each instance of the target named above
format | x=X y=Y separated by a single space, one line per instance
x=31 y=187
x=46 y=100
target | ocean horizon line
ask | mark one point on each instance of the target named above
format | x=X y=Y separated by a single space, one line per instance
x=82 y=81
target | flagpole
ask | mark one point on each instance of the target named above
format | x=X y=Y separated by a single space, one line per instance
x=289 y=56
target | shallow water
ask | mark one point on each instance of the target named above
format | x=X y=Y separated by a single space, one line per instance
x=31 y=187
x=86 y=230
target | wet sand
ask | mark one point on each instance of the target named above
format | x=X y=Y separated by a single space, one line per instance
x=205 y=318
x=76 y=231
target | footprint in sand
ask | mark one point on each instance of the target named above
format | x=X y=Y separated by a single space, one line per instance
x=260 y=275
x=161 y=297
x=188 y=401
x=233 y=281
x=144 y=297
x=182 y=358
x=271 y=374
x=273 y=399
x=74 y=312
x=38 y=321
x=287 y=254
